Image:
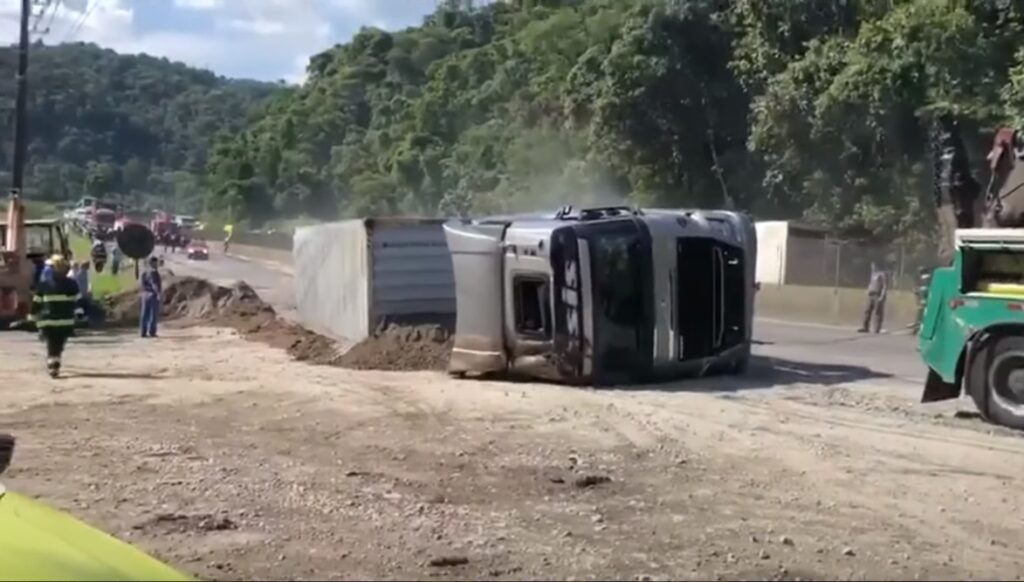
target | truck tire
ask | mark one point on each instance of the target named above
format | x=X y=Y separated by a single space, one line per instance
x=995 y=380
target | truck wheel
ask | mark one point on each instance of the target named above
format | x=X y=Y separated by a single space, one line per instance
x=996 y=380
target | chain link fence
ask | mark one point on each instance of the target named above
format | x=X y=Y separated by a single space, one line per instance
x=839 y=263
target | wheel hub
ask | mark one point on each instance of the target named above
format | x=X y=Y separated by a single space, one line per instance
x=1007 y=375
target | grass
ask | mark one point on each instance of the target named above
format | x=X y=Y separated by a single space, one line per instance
x=104 y=283
x=33 y=209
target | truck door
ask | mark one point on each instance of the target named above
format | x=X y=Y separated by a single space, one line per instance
x=477 y=261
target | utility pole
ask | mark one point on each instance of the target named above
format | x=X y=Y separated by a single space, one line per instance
x=21 y=104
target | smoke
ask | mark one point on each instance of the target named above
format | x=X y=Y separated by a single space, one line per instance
x=547 y=170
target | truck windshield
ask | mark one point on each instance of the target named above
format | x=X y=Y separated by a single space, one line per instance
x=620 y=257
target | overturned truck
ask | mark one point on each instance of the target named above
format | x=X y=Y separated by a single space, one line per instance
x=603 y=296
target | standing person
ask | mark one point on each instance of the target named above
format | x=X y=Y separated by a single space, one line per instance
x=55 y=306
x=98 y=254
x=878 y=287
x=80 y=273
x=116 y=257
x=230 y=230
x=924 y=280
x=151 y=288
x=46 y=274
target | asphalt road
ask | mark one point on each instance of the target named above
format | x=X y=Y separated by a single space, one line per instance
x=804 y=353
x=272 y=282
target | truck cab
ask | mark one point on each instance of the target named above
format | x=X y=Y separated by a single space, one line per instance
x=603 y=296
x=972 y=331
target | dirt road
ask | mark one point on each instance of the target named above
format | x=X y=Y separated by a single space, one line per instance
x=230 y=461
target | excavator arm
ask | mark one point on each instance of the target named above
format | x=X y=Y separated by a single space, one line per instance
x=956 y=191
x=15 y=274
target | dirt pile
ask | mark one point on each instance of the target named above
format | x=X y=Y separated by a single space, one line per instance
x=401 y=348
x=194 y=301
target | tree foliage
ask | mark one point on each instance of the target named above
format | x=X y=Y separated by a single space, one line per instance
x=132 y=127
x=814 y=109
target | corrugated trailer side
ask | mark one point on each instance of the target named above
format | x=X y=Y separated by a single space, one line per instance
x=411 y=268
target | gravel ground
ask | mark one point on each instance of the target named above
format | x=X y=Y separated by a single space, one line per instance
x=230 y=461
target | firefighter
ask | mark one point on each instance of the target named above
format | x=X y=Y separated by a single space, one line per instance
x=56 y=305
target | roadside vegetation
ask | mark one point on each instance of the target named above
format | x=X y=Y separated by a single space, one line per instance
x=105 y=283
x=811 y=109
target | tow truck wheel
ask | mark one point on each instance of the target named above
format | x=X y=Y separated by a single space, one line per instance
x=996 y=380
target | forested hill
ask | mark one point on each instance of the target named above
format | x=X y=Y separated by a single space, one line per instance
x=818 y=108
x=133 y=126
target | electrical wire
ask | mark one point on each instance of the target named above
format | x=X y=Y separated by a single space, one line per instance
x=37 y=17
x=53 y=14
x=81 y=21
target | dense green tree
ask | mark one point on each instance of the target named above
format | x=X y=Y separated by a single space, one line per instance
x=814 y=109
x=126 y=126
x=797 y=108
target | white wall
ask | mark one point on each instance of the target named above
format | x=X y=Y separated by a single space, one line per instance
x=772 y=237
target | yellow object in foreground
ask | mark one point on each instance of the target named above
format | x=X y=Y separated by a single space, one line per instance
x=38 y=542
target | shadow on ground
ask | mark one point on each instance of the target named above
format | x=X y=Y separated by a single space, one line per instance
x=766 y=372
x=110 y=375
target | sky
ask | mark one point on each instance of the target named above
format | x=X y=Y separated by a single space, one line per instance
x=269 y=40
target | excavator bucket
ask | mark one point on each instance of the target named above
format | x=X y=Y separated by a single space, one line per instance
x=1004 y=200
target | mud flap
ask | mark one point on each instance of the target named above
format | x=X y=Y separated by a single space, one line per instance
x=973 y=376
x=935 y=389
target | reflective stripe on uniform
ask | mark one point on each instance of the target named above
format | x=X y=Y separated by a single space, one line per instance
x=55 y=323
x=56 y=298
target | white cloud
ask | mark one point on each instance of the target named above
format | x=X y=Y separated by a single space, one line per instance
x=267 y=39
x=257 y=26
x=198 y=4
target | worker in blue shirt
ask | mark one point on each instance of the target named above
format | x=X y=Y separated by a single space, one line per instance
x=46 y=276
x=150 y=288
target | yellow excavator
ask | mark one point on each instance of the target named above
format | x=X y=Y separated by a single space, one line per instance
x=26 y=245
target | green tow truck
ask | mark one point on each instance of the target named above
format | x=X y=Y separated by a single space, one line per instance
x=972 y=332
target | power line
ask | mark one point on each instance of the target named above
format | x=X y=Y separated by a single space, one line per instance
x=37 y=17
x=45 y=6
x=81 y=21
x=53 y=14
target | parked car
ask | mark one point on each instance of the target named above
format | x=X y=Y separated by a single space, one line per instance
x=198 y=251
